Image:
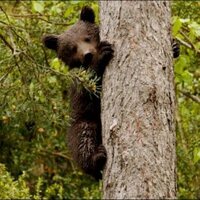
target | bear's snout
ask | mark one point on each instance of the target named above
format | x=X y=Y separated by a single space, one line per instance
x=88 y=58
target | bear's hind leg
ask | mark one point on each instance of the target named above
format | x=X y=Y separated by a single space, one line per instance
x=99 y=161
x=91 y=156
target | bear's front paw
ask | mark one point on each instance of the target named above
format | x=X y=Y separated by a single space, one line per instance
x=106 y=52
x=176 y=48
x=100 y=157
x=99 y=161
x=102 y=151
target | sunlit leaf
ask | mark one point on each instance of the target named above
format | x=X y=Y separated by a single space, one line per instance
x=187 y=76
x=52 y=79
x=196 y=154
x=185 y=20
x=38 y=6
x=31 y=89
x=55 y=63
x=177 y=24
x=180 y=64
x=68 y=12
x=195 y=27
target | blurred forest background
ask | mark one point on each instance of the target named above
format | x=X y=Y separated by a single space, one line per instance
x=34 y=112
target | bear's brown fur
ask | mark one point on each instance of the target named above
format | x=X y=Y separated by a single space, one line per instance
x=80 y=46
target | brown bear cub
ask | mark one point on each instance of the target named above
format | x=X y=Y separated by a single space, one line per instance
x=80 y=46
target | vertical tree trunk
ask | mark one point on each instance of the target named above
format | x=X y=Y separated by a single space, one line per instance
x=138 y=101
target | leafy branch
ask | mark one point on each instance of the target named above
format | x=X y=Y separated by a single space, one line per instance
x=190 y=45
x=6 y=43
x=85 y=78
x=34 y=16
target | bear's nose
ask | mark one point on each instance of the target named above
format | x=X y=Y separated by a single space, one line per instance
x=88 y=57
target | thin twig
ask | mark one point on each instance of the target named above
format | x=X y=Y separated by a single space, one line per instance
x=6 y=43
x=40 y=18
x=56 y=154
x=5 y=14
x=28 y=15
x=184 y=43
x=6 y=74
x=190 y=42
x=191 y=96
x=45 y=57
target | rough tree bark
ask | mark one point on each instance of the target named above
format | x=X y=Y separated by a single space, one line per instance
x=138 y=101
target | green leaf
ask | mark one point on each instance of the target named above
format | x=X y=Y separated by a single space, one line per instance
x=52 y=79
x=31 y=89
x=41 y=96
x=55 y=10
x=180 y=64
x=187 y=77
x=75 y=2
x=195 y=27
x=95 y=7
x=198 y=45
x=177 y=24
x=55 y=63
x=38 y=6
x=68 y=12
x=185 y=20
x=196 y=154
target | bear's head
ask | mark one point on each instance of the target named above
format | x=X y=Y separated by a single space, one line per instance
x=77 y=46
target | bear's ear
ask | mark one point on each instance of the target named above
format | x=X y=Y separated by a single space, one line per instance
x=87 y=14
x=50 y=41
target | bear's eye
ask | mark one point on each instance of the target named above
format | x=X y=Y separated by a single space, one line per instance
x=87 y=39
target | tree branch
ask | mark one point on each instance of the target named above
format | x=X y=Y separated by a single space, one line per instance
x=190 y=42
x=184 y=43
x=6 y=43
x=193 y=97
x=40 y=18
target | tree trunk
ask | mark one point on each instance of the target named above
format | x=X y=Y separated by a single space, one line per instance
x=138 y=101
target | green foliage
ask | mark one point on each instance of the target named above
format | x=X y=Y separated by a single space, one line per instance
x=61 y=187
x=34 y=112
x=186 y=28
x=10 y=188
